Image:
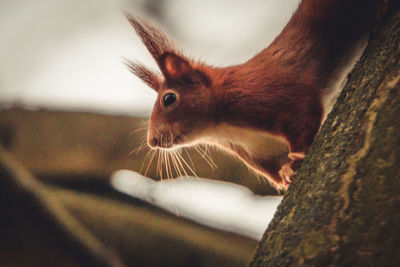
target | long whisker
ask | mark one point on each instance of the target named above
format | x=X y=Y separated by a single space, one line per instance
x=162 y=155
x=180 y=163
x=175 y=160
x=154 y=152
x=144 y=160
x=175 y=163
x=169 y=169
x=138 y=149
x=165 y=152
x=187 y=165
x=207 y=154
x=190 y=158
x=143 y=125
x=168 y=156
x=159 y=167
x=138 y=130
x=211 y=163
x=168 y=164
x=204 y=153
x=162 y=160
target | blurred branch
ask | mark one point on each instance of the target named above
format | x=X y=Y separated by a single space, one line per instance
x=25 y=199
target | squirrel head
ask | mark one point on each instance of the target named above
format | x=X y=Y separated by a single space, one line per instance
x=183 y=108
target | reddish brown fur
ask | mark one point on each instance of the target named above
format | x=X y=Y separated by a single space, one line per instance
x=279 y=91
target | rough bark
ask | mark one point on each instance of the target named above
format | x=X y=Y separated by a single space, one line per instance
x=343 y=208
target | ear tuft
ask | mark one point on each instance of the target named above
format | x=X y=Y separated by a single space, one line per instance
x=150 y=77
x=174 y=67
x=153 y=38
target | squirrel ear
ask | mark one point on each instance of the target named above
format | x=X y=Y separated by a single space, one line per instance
x=174 y=67
x=178 y=69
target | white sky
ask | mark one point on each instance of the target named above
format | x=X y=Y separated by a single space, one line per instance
x=67 y=54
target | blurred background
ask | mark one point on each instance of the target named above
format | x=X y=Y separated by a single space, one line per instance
x=68 y=54
x=72 y=114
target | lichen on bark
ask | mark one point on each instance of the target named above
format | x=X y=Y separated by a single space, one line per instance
x=343 y=208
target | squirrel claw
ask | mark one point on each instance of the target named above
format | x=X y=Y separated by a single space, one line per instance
x=286 y=173
x=287 y=170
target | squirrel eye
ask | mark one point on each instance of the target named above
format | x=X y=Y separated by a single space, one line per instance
x=169 y=99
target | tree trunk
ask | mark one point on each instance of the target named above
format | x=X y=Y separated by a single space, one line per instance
x=343 y=208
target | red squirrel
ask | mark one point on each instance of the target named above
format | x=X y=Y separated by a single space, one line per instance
x=267 y=110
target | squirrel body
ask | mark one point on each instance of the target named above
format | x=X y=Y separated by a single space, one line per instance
x=267 y=110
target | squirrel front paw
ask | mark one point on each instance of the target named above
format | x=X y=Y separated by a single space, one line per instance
x=286 y=173
x=288 y=170
x=296 y=155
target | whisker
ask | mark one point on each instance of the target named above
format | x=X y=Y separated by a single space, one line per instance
x=159 y=167
x=168 y=155
x=142 y=139
x=138 y=130
x=174 y=162
x=144 y=160
x=165 y=152
x=199 y=149
x=203 y=150
x=162 y=160
x=180 y=163
x=204 y=153
x=190 y=158
x=143 y=125
x=154 y=152
x=211 y=163
x=163 y=155
x=170 y=175
x=210 y=158
x=138 y=149
x=208 y=155
x=187 y=165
